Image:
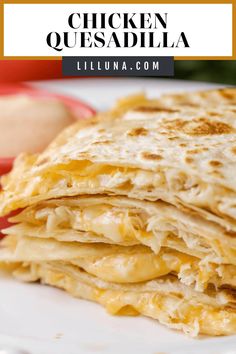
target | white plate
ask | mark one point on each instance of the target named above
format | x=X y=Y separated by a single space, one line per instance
x=101 y=93
x=36 y=319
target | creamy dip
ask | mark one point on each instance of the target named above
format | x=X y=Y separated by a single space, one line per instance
x=29 y=124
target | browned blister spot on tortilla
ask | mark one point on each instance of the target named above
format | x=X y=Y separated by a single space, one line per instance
x=199 y=127
x=183 y=144
x=194 y=152
x=197 y=150
x=150 y=188
x=175 y=124
x=233 y=150
x=189 y=104
x=189 y=160
x=213 y=114
x=210 y=128
x=138 y=131
x=155 y=109
x=102 y=142
x=216 y=173
x=149 y=156
x=228 y=94
x=230 y=233
x=215 y=163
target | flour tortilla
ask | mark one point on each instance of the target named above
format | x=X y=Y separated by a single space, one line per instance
x=126 y=221
x=216 y=97
x=166 y=299
x=161 y=174
x=119 y=264
x=186 y=158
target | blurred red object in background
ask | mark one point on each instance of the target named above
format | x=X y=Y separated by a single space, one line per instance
x=5 y=165
x=77 y=108
x=25 y=70
x=5 y=223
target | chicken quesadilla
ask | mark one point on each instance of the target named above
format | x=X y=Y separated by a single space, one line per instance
x=134 y=209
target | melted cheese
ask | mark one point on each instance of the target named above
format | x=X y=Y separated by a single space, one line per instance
x=168 y=303
x=123 y=268
x=122 y=225
x=101 y=219
x=85 y=177
x=130 y=264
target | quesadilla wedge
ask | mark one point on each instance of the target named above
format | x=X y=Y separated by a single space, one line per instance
x=127 y=284
x=120 y=264
x=127 y=221
x=134 y=209
x=184 y=160
x=171 y=303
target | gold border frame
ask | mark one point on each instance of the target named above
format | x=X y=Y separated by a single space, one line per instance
x=233 y=2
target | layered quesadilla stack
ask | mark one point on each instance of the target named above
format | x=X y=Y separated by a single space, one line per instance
x=135 y=209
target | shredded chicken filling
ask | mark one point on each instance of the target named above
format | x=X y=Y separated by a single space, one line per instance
x=123 y=225
x=86 y=177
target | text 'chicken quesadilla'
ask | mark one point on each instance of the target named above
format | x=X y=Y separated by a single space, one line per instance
x=135 y=209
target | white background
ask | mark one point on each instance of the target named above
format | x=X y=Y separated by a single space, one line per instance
x=208 y=28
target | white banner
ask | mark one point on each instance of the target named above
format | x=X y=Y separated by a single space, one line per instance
x=118 y=30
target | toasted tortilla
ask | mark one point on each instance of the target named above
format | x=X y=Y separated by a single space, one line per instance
x=116 y=263
x=135 y=209
x=165 y=299
x=126 y=221
x=212 y=98
x=185 y=159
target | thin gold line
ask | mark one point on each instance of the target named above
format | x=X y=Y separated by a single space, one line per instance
x=1 y=31
x=118 y=2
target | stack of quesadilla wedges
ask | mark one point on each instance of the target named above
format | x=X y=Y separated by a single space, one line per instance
x=135 y=209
